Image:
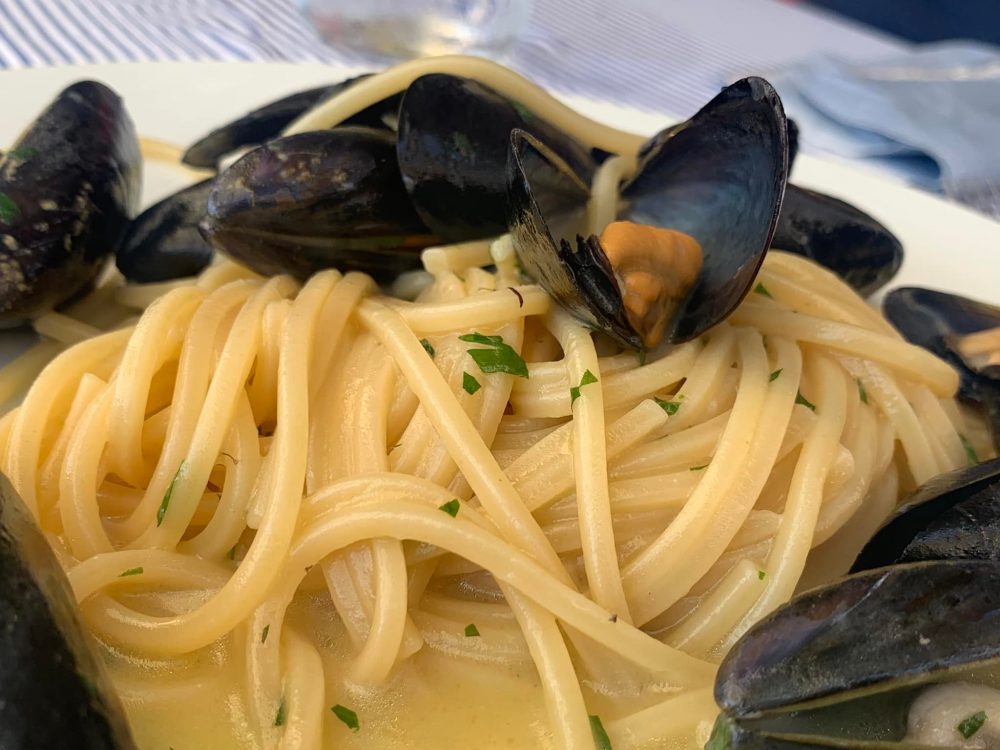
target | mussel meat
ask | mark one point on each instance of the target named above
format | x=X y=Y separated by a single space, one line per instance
x=164 y=241
x=962 y=331
x=316 y=200
x=267 y=122
x=54 y=692
x=848 y=664
x=707 y=192
x=68 y=188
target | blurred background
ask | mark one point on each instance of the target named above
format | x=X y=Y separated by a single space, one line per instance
x=910 y=88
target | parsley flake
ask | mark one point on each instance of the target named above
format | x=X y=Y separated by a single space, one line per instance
x=601 y=739
x=347 y=716
x=279 y=718
x=642 y=356
x=761 y=575
x=499 y=357
x=8 y=209
x=231 y=555
x=451 y=507
x=427 y=347
x=800 y=399
x=471 y=631
x=469 y=384
x=775 y=375
x=166 y=496
x=970 y=452
x=971 y=724
x=131 y=572
x=22 y=153
x=698 y=468
x=670 y=407
x=761 y=289
x=862 y=392
x=263 y=635
x=587 y=379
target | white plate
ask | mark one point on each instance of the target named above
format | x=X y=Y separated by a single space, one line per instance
x=947 y=246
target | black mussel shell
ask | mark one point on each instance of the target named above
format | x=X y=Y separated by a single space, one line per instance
x=793 y=142
x=546 y=200
x=267 y=122
x=326 y=199
x=454 y=135
x=164 y=242
x=718 y=177
x=936 y=320
x=839 y=236
x=68 y=188
x=729 y=734
x=53 y=689
x=953 y=516
x=868 y=633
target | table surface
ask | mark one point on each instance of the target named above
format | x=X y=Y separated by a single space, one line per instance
x=664 y=55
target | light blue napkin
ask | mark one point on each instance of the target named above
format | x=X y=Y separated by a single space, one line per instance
x=931 y=116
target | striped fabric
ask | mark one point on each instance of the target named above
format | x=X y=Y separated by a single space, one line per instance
x=667 y=55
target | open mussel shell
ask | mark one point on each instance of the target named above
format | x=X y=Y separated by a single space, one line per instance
x=953 y=516
x=452 y=145
x=869 y=633
x=838 y=236
x=937 y=321
x=68 y=188
x=326 y=199
x=164 y=242
x=53 y=689
x=719 y=178
x=267 y=122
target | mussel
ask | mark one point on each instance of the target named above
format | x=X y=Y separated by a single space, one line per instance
x=315 y=200
x=53 y=689
x=962 y=331
x=267 y=122
x=452 y=144
x=68 y=188
x=839 y=236
x=716 y=180
x=164 y=241
x=846 y=665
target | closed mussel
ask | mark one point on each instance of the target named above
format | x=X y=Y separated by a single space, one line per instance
x=68 y=188
x=318 y=200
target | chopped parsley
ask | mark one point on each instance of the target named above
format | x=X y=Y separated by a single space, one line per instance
x=775 y=375
x=761 y=289
x=642 y=356
x=347 y=716
x=8 y=209
x=971 y=724
x=471 y=631
x=451 y=507
x=131 y=572
x=469 y=384
x=862 y=392
x=263 y=635
x=498 y=357
x=970 y=452
x=698 y=468
x=279 y=718
x=22 y=153
x=427 y=347
x=670 y=407
x=761 y=575
x=231 y=555
x=601 y=739
x=800 y=399
x=587 y=379
x=166 y=496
